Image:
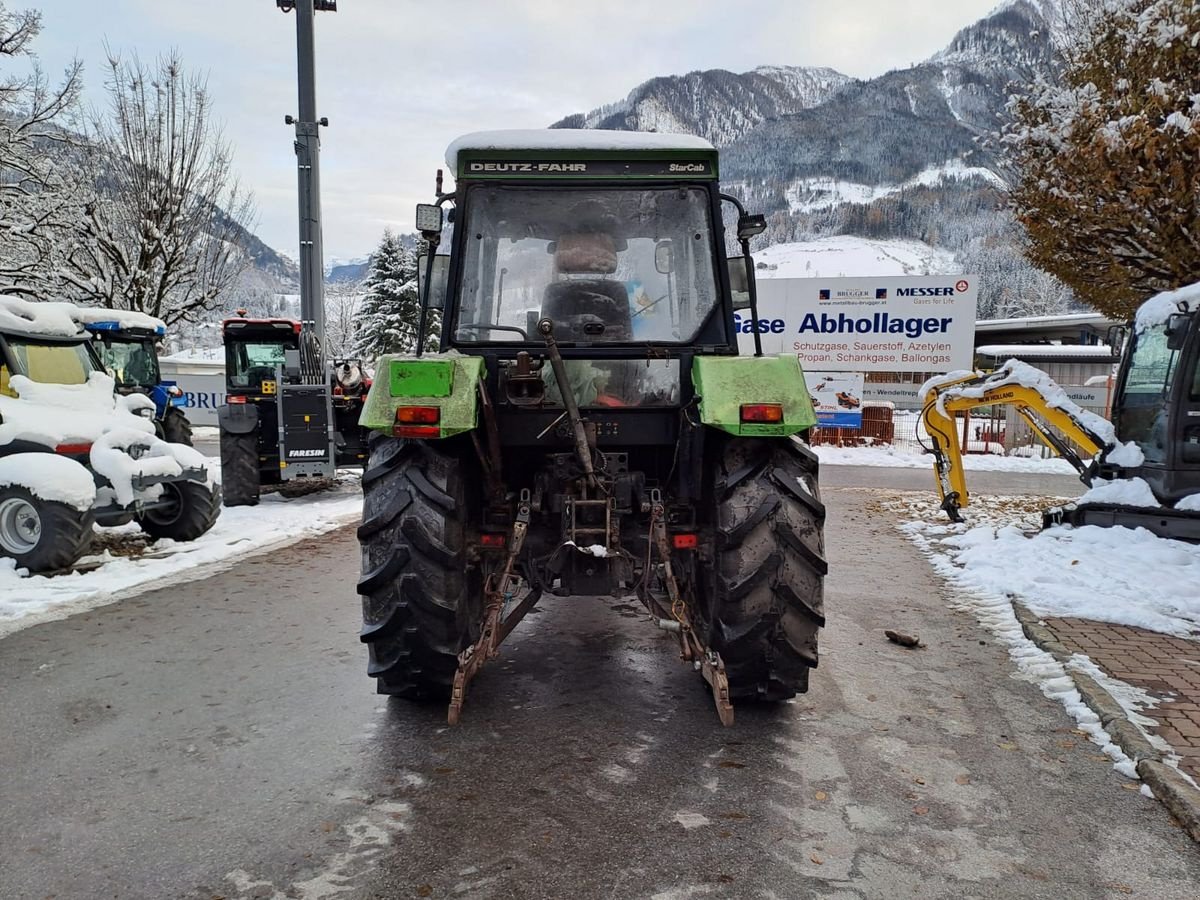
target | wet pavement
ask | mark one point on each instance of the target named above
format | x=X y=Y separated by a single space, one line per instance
x=220 y=739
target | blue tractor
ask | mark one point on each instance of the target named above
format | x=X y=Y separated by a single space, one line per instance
x=127 y=343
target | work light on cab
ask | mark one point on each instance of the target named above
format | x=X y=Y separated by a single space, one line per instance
x=762 y=412
x=417 y=422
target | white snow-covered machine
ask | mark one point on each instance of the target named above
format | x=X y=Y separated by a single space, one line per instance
x=74 y=452
x=1149 y=452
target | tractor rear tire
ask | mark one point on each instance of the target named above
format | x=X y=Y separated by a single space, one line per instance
x=240 y=481
x=176 y=427
x=193 y=510
x=762 y=597
x=422 y=598
x=42 y=535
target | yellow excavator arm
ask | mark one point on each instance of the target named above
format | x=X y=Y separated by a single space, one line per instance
x=1034 y=395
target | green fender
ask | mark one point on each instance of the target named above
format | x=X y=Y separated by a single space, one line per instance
x=448 y=382
x=724 y=383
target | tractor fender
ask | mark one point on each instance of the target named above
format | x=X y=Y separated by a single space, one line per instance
x=724 y=383
x=449 y=383
x=237 y=418
x=50 y=476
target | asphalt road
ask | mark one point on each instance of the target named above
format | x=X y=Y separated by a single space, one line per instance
x=220 y=739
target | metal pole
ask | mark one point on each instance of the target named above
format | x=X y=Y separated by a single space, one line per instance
x=308 y=153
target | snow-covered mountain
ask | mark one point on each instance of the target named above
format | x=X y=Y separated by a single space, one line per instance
x=900 y=156
x=338 y=269
x=718 y=105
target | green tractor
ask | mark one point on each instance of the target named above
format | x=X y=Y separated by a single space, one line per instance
x=588 y=427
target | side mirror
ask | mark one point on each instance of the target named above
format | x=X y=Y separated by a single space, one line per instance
x=1178 y=326
x=437 y=283
x=1115 y=338
x=429 y=218
x=739 y=280
x=749 y=226
x=664 y=257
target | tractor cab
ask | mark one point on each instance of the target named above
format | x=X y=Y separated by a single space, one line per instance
x=619 y=250
x=129 y=354
x=255 y=349
x=1157 y=402
x=127 y=343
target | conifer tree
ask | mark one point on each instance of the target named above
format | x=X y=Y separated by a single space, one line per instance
x=387 y=320
x=1109 y=157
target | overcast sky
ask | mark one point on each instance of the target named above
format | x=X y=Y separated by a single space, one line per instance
x=398 y=80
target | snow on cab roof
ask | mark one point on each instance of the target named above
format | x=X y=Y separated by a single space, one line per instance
x=1160 y=307
x=19 y=316
x=123 y=318
x=571 y=139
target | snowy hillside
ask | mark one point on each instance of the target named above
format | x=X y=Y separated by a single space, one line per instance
x=811 y=194
x=718 y=105
x=850 y=256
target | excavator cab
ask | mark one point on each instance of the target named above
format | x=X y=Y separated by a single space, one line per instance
x=1157 y=404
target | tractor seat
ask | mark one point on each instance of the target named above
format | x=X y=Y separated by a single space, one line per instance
x=572 y=305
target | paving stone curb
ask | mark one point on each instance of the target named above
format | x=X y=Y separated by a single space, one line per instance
x=1172 y=789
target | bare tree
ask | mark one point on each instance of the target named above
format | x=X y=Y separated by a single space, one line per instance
x=343 y=301
x=35 y=154
x=164 y=227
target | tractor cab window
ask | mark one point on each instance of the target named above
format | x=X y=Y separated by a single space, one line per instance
x=51 y=363
x=607 y=266
x=1143 y=409
x=249 y=363
x=133 y=364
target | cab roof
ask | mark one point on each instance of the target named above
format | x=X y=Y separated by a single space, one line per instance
x=574 y=140
x=238 y=322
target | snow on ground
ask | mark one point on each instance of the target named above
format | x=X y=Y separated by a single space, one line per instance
x=890 y=457
x=1119 y=575
x=990 y=604
x=848 y=255
x=27 y=600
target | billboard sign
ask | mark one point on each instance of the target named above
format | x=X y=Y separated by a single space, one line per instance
x=836 y=397
x=896 y=324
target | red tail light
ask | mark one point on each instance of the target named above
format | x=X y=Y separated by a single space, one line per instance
x=685 y=541
x=418 y=415
x=233 y=398
x=762 y=412
x=417 y=422
x=492 y=540
x=73 y=449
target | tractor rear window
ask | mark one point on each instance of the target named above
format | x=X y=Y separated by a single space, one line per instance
x=52 y=363
x=607 y=266
x=132 y=363
x=249 y=363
